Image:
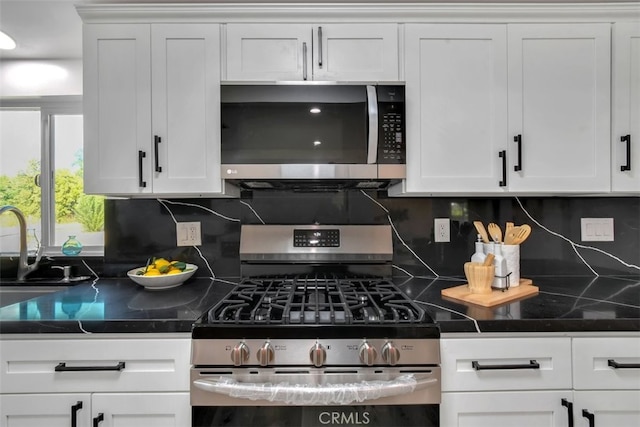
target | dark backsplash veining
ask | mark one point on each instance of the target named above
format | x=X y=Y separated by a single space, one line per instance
x=137 y=229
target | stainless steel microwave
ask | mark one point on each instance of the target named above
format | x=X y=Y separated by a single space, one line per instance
x=323 y=135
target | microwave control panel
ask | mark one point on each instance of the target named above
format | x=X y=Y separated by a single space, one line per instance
x=391 y=131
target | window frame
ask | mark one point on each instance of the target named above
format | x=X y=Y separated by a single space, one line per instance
x=49 y=106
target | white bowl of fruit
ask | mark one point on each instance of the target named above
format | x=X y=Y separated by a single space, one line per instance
x=161 y=273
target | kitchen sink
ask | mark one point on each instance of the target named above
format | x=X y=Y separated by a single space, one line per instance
x=11 y=294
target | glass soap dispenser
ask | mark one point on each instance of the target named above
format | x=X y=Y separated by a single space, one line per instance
x=72 y=246
x=479 y=255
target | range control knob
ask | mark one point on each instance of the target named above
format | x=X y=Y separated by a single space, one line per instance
x=318 y=355
x=239 y=354
x=265 y=354
x=390 y=354
x=368 y=353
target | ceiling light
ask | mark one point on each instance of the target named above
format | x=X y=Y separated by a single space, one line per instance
x=314 y=110
x=6 y=42
x=316 y=143
x=35 y=74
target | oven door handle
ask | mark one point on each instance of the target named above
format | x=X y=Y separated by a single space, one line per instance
x=305 y=394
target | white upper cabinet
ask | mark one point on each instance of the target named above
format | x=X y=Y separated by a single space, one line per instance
x=456 y=106
x=328 y=52
x=186 y=98
x=152 y=122
x=625 y=172
x=117 y=108
x=559 y=107
x=501 y=108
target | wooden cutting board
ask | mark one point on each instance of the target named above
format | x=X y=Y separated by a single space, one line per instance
x=496 y=297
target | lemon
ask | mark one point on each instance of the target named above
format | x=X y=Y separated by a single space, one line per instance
x=161 y=262
x=174 y=271
x=152 y=272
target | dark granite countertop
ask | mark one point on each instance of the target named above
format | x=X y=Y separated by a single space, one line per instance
x=563 y=304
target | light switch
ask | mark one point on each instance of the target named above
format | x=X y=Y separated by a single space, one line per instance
x=596 y=229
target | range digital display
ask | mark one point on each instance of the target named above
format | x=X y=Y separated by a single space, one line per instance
x=325 y=238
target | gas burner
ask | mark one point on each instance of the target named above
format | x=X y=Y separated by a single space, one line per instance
x=315 y=300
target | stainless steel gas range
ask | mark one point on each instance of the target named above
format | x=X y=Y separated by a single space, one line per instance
x=315 y=334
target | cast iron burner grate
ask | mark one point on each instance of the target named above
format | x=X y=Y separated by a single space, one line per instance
x=316 y=300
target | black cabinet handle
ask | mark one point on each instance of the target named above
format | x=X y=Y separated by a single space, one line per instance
x=97 y=420
x=589 y=416
x=157 y=140
x=569 y=406
x=531 y=365
x=74 y=413
x=518 y=140
x=627 y=139
x=503 y=155
x=319 y=47
x=141 y=155
x=615 y=365
x=304 y=61
x=62 y=367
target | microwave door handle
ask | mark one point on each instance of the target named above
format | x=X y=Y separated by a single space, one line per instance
x=372 y=109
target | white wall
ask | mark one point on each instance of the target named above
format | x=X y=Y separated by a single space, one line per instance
x=40 y=78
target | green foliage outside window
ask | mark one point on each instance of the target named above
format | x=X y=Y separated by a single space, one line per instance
x=72 y=205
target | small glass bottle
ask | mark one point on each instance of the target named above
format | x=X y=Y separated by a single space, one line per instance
x=501 y=280
x=72 y=246
x=479 y=254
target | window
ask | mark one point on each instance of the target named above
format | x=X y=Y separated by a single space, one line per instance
x=41 y=168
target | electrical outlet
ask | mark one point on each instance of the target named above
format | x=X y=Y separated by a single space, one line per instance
x=188 y=234
x=442 y=229
x=596 y=229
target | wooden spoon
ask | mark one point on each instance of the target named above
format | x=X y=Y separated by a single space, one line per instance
x=508 y=227
x=510 y=235
x=495 y=232
x=517 y=235
x=481 y=231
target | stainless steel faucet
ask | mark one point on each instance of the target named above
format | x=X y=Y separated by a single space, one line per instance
x=23 y=267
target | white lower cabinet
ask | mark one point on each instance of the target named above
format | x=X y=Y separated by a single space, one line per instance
x=99 y=409
x=490 y=409
x=52 y=410
x=144 y=409
x=81 y=382
x=541 y=381
x=606 y=380
x=610 y=408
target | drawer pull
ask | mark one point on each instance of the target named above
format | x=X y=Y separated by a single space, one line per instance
x=589 y=416
x=62 y=367
x=97 y=420
x=616 y=365
x=569 y=406
x=531 y=365
x=74 y=413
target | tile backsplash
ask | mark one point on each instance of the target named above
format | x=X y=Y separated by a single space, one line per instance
x=139 y=228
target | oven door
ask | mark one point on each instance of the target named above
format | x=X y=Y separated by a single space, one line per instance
x=315 y=397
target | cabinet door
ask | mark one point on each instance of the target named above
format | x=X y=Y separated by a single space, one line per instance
x=456 y=107
x=606 y=363
x=506 y=364
x=186 y=112
x=141 y=409
x=355 y=52
x=95 y=365
x=608 y=408
x=117 y=109
x=490 y=409
x=626 y=107
x=51 y=410
x=268 y=52
x=559 y=102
